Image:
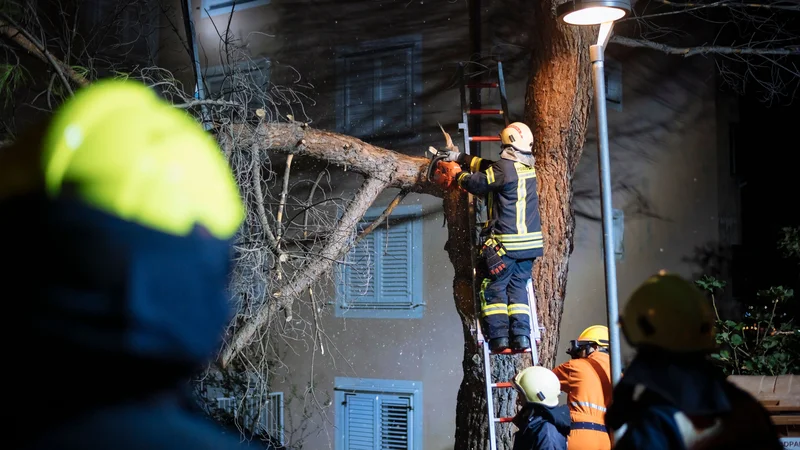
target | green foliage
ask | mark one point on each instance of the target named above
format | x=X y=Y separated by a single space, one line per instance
x=789 y=243
x=763 y=342
x=12 y=77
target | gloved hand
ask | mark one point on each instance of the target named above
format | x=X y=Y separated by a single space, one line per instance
x=452 y=156
x=494 y=263
x=445 y=174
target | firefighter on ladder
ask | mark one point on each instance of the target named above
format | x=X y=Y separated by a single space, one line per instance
x=512 y=237
x=671 y=396
x=586 y=379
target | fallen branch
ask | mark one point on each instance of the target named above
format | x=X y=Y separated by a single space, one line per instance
x=344 y=151
x=195 y=103
x=703 y=50
x=386 y=213
x=21 y=37
x=338 y=244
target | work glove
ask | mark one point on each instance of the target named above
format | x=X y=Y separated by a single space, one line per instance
x=491 y=253
x=446 y=173
x=452 y=156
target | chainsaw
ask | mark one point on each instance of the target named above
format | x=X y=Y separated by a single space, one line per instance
x=440 y=155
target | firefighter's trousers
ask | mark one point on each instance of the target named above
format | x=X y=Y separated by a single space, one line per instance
x=504 y=300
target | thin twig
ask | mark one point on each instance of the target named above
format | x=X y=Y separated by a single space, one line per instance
x=702 y=50
x=284 y=192
x=386 y=213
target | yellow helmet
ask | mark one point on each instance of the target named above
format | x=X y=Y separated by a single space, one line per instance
x=538 y=385
x=595 y=334
x=121 y=149
x=518 y=136
x=670 y=313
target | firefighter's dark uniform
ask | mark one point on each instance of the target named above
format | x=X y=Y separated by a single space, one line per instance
x=513 y=211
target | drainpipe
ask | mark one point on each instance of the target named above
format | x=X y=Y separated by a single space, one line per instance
x=191 y=38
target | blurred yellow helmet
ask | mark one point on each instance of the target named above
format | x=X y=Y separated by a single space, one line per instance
x=119 y=148
x=595 y=334
x=668 y=312
x=538 y=384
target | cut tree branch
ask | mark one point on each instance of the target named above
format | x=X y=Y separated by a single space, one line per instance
x=344 y=151
x=21 y=37
x=337 y=245
x=386 y=213
x=703 y=50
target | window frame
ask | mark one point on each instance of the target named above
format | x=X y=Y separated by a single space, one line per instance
x=378 y=386
x=417 y=304
x=376 y=47
x=224 y=6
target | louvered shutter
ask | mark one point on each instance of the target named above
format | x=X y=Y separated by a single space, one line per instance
x=394 y=91
x=394 y=282
x=360 y=274
x=361 y=414
x=359 y=95
x=395 y=422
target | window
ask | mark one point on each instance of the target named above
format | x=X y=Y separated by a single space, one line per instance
x=242 y=82
x=384 y=414
x=382 y=275
x=613 y=75
x=217 y=7
x=265 y=413
x=378 y=86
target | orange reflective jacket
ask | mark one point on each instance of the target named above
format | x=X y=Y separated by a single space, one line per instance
x=587 y=382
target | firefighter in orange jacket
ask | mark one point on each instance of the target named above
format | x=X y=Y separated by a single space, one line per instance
x=586 y=379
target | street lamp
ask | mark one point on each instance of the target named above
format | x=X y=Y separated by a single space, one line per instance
x=603 y=13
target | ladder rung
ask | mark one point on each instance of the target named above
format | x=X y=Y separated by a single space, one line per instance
x=509 y=351
x=502 y=385
x=504 y=419
x=484 y=138
x=484 y=111
x=482 y=85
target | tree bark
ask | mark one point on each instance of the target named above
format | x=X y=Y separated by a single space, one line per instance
x=557 y=110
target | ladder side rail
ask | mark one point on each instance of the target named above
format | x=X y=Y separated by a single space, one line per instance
x=464 y=125
x=502 y=85
x=487 y=371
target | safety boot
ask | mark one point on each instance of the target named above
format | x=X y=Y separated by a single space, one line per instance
x=498 y=344
x=520 y=343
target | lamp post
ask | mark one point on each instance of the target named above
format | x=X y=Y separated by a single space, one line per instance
x=604 y=13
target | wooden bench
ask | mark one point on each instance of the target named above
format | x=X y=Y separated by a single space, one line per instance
x=780 y=396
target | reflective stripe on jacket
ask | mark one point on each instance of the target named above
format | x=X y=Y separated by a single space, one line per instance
x=512 y=202
x=587 y=382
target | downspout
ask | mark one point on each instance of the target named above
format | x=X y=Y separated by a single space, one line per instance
x=191 y=38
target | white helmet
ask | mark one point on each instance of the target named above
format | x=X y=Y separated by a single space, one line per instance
x=518 y=136
x=538 y=385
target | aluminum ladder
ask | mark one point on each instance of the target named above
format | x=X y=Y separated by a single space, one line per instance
x=475 y=212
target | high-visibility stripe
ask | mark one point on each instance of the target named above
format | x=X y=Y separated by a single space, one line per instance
x=518 y=237
x=522 y=200
x=490 y=310
x=518 y=309
x=490 y=175
x=475 y=164
x=589 y=405
x=524 y=245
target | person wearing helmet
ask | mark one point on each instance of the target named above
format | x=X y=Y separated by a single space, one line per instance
x=671 y=396
x=586 y=379
x=512 y=235
x=542 y=423
x=118 y=218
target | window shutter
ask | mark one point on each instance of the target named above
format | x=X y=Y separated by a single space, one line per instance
x=360 y=273
x=361 y=417
x=395 y=422
x=395 y=268
x=394 y=91
x=359 y=95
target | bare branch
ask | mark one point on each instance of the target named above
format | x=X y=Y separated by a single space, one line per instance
x=386 y=213
x=703 y=50
x=21 y=37
x=195 y=103
x=337 y=245
x=284 y=191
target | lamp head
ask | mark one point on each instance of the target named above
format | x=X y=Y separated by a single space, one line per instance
x=593 y=12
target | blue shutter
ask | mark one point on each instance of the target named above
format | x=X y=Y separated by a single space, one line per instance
x=377 y=421
x=361 y=414
x=359 y=95
x=394 y=92
x=394 y=247
x=395 y=422
x=361 y=274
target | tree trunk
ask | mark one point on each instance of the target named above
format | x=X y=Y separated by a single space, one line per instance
x=557 y=109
